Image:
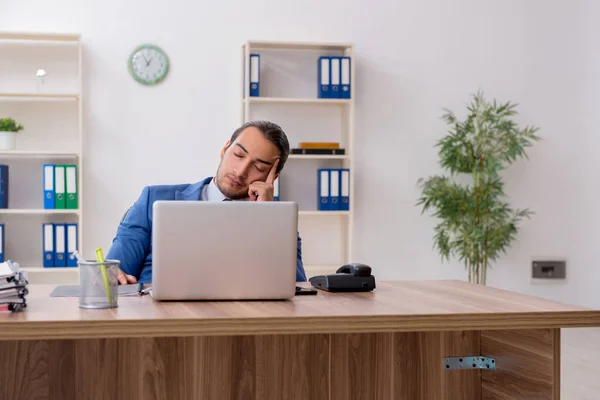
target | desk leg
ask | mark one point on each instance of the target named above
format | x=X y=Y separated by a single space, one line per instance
x=528 y=364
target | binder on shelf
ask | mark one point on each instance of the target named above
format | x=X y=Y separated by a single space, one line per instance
x=335 y=77
x=276 y=189
x=48 y=186
x=334 y=189
x=345 y=78
x=60 y=255
x=71 y=186
x=2 y=243
x=60 y=200
x=323 y=190
x=254 y=75
x=344 y=189
x=71 y=244
x=48 y=245
x=324 y=77
x=3 y=186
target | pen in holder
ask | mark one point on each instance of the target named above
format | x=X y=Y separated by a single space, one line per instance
x=98 y=282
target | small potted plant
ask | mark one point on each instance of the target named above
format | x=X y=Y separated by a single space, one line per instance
x=8 y=132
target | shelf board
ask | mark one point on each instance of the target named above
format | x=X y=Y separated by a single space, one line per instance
x=34 y=153
x=318 y=157
x=300 y=100
x=34 y=96
x=38 y=268
x=323 y=213
x=40 y=36
x=278 y=45
x=36 y=211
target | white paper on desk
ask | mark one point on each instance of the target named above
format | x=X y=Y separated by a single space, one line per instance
x=7 y=270
x=16 y=281
x=12 y=301
x=12 y=294
x=13 y=284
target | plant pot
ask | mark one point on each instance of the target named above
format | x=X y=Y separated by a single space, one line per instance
x=8 y=140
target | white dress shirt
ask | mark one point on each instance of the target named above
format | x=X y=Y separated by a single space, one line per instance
x=211 y=192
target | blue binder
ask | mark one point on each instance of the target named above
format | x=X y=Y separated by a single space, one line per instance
x=323 y=194
x=48 y=181
x=344 y=189
x=2 y=241
x=335 y=77
x=60 y=249
x=254 y=75
x=71 y=244
x=276 y=189
x=48 y=244
x=3 y=186
x=334 y=189
x=324 y=77
x=345 y=81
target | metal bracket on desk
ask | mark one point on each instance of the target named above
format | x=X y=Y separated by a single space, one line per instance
x=470 y=363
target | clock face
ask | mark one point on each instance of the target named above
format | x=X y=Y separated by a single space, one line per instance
x=148 y=64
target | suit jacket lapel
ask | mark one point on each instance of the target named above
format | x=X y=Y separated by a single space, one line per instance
x=192 y=192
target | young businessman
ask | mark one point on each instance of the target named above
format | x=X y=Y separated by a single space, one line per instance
x=251 y=160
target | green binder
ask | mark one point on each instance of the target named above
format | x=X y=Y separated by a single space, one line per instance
x=60 y=198
x=71 y=186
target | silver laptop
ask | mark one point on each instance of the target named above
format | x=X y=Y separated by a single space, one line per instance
x=230 y=250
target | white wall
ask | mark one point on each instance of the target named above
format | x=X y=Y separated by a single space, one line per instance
x=412 y=59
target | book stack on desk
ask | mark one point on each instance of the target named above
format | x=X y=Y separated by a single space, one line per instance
x=13 y=287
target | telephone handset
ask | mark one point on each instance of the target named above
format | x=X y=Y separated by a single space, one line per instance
x=355 y=269
x=353 y=277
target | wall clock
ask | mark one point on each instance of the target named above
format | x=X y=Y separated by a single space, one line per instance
x=148 y=64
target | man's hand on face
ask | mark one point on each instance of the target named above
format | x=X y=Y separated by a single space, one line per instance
x=125 y=279
x=263 y=191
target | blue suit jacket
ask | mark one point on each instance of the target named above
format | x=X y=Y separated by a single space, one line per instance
x=133 y=243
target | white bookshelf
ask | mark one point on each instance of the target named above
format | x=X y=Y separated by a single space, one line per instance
x=51 y=114
x=289 y=96
x=335 y=102
x=40 y=211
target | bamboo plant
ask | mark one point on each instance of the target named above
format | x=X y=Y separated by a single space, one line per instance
x=475 y=223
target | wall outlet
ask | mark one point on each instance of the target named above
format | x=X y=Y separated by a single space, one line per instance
x=549 y=269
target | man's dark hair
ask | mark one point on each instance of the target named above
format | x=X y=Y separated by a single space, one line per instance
x=271 y=131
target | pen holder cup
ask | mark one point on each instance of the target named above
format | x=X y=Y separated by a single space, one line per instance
x=98 y=284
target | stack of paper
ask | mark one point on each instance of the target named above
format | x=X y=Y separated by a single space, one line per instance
x=13 y=287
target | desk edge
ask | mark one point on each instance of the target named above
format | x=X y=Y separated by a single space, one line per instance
x=85 y=329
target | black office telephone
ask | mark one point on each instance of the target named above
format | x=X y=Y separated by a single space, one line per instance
x=353 y=277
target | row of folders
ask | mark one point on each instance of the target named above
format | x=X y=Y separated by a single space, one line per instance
x=60 y=241
x=333 y=77
x=333 y=189
x=60 y=186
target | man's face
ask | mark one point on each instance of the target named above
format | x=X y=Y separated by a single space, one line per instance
x=244 y=161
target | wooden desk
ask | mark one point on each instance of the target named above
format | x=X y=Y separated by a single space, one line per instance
x=389 y=344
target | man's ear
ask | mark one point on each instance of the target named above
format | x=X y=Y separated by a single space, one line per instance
x=225 y=148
